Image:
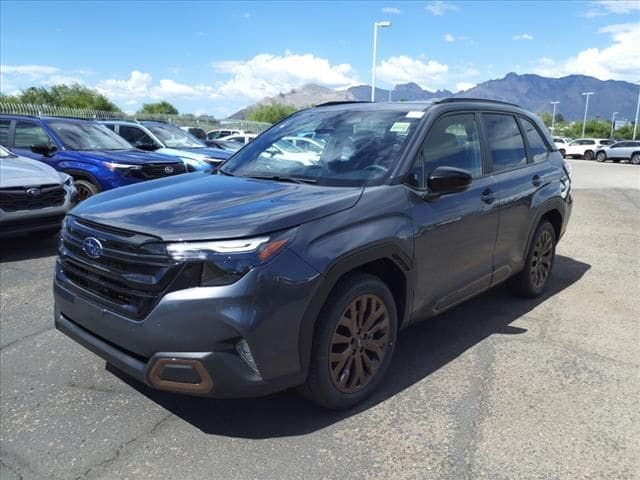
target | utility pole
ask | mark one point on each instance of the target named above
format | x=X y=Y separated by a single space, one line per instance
x=613 y=122
x=586 y=107
x=553 y=118
x=376 y=25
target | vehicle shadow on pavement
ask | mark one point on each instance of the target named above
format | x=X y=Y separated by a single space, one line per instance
x=421 y=350
x=27 y=247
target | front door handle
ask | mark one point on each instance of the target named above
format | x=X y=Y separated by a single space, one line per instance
x=536 y=180
x=488 y=195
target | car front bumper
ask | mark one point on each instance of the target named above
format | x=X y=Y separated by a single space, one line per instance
x=189 y=341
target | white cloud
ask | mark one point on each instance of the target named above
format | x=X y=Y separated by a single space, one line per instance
x=617 y=61
x=523 y=36
x=440 y=7
x=449 y=38
x=392 y=10
x=608 y=7
x=462 y=86
x=136 y=86
x=246 y=15
x=267 y=74
x=28 y=70
x=403 y=69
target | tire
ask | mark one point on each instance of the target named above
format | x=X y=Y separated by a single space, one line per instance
x=347 y=364
x=85 y=189
x=635 y=158
x=562 y=152
x=588 y=155
x=532 y=280
x=601 y=156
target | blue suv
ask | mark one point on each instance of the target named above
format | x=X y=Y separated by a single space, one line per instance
x=93 y=155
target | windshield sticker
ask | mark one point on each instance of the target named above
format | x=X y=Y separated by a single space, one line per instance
x=400 y=127
x=415 y=114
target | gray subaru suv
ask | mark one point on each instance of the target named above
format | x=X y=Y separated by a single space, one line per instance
x=297 y=269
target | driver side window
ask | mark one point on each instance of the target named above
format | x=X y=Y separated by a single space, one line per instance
x=452 y=141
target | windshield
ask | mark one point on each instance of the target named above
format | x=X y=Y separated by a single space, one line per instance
x=88 y=136
x=358 y=148
x=4 y=153
x=174 y=137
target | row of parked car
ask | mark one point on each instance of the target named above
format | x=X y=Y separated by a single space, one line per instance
x=600 y=149
x=50 y=163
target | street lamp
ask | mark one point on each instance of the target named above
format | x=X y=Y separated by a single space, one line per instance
x=586 y=107
x=553 y=118
x=376 y=25
x=613 y=122
x=635 y=124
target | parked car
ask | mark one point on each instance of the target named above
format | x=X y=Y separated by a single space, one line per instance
x=33 y=196
x=242 y=139
x=228 y=146
x=169 y=140
x=286 y=274
x=197 y=132
x=93 y=155
x=585 y=147
x=626 y=150
x=561 y=143
x=223 y=132
x=305 y=143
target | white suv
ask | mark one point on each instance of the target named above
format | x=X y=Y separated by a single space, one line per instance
x=586 y=147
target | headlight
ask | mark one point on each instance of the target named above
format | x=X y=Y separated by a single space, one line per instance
x=225 y=262
x=121 y=166
x=67 y=180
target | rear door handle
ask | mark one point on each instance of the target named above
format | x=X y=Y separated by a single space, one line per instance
x=536 y=180
x=488 y=196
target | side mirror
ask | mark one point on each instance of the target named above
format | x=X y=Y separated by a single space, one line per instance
x=443 y=180
x=43 y=149
x=148 y=147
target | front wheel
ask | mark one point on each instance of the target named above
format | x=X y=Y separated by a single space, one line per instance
x=601 y=156
x=533 y=278
x=588 y=155
x=85 y=189
x=353 y=344
x=635 y=158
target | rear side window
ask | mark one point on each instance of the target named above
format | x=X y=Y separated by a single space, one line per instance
x=537 y=147
x=29 y=134
x=4 y=132
x=505 y=142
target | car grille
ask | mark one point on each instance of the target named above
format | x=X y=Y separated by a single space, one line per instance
x=31 y=198
x=130 y=276
x=159 y=170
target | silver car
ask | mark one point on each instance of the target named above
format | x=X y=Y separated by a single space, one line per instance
x=33 y=196
x=624 y=150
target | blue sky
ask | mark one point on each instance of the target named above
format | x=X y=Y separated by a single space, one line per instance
x=216 y=57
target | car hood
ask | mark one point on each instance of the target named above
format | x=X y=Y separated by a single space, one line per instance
x=209 y=152
x=211 y=207
x=130 y=157
x=22 y=172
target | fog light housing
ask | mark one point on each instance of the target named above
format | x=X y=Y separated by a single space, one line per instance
x=242 y=347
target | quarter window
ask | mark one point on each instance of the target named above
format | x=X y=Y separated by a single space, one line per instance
x=505 y=142
x=537 y=147
x=29 y=134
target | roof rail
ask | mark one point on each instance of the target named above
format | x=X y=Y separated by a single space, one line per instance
x=341 y=102
x=486 y=100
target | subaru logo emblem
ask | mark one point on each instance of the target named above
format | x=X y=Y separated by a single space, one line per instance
x=168 y=170
x=33 y=192
x=92 y=247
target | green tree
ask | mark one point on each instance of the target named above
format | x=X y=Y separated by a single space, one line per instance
x=546 y=117
x=559 y=118
x=625 y=132
x=270 y=113
x=159 y=108
x=74 y=96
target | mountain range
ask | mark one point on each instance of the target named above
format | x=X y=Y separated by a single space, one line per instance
x=532 y=92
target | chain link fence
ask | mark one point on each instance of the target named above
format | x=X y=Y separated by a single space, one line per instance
x=205 y=122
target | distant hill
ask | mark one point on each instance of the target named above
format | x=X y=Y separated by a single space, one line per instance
x=532 y=92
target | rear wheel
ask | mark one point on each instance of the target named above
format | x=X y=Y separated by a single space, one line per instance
x=601 y=156
x=353 y=344
x=635 y=158
x=85 y=189
x=533 y=278
x=588 y=155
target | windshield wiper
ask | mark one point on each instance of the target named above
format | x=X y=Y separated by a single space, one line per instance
x=279 y=178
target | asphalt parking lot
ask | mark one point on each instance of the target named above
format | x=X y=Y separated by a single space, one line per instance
x=498 y=388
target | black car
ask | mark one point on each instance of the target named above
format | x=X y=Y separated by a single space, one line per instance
x=294 y=268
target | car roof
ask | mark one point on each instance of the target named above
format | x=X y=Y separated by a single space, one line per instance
x=47 y=118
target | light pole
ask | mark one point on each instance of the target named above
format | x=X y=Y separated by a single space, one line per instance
x=586 y=107
x=383 y=24
x=613 y=122
x=553 y=118
x=635 y=123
